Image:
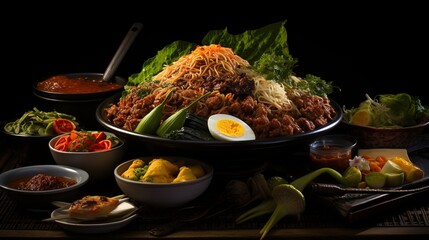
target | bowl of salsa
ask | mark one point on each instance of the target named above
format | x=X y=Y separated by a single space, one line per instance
x=78 y=94
x=78 y=86
x=333 y=151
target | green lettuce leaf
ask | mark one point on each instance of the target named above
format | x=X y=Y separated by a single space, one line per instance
x=165 y=56
x=403 y=109
x=266 y=49
x=252 y=44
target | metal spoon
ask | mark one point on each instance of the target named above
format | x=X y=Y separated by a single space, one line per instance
x=333 y=189
x=120 y=53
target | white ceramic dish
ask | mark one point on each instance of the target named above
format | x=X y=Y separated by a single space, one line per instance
x=387 y=152
x=41 y=199
x=99 y=165
x=164 y=195
x=118 y=218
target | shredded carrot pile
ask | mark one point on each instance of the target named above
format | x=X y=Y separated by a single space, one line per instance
x=212 y=60
x=377 y=163
x=83 y=141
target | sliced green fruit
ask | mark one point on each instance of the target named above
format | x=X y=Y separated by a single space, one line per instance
x=352 y=176
x=391 y=167
x=394 y=179
x=375 y=179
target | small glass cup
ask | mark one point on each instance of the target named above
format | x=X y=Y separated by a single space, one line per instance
x=333 y=151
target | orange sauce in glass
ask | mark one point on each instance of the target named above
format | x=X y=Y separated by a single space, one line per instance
x=330 y=156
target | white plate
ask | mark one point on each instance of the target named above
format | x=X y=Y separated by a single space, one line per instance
x=118 y=218
x=387 y=152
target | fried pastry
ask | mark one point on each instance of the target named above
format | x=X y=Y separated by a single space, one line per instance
x=93 y=206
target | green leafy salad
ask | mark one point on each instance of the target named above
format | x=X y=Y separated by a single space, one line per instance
x=388 y=110
x=266 y=50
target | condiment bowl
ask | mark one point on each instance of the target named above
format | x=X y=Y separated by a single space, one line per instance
x=78 y=86
x=74 y=99
x=333 y=151
x=41 y=199
x=98 y=164
x=167 y=194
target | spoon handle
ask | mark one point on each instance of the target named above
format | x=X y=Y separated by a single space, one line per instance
x=123 y=48
x=336 y=190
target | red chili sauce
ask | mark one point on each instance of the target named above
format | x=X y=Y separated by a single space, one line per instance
x=64 y=84
x=42 y=182
x=330 y=156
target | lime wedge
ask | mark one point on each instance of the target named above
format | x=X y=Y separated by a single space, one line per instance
x=352 y=176
x=391 y=167
x=394 y=179
x=375 y=179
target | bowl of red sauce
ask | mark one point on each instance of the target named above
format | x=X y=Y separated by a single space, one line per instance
x=333 y=151
x=78 y=94
x=78 y=86
x=36 y=186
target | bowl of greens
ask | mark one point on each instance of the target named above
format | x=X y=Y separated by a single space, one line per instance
x=33 y=130
x=387 y=121
x=36 y=123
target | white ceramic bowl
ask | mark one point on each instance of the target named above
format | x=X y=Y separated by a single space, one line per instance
x=164 y=195
x=42 y=199
x=99 y=165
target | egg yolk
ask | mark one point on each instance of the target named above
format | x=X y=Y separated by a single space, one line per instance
x=230 y=128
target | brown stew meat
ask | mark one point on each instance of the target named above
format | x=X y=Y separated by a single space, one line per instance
x=42 y=182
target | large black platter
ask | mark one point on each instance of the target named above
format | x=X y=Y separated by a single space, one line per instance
x=216 y=149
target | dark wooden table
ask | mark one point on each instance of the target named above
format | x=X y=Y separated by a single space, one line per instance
x=408 y=217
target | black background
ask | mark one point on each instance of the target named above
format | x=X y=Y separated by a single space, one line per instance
x=360 y=47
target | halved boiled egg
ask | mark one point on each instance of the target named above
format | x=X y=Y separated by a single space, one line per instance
x=229 y=128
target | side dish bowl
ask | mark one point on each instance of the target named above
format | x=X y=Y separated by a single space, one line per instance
x=78 y=86
x=373 y=137
x=332 y=151
x=81 y=105
x=98 y=164
x=164 y=195
x=42 y=199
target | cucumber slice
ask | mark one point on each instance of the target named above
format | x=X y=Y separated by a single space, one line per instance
x=394 y=179
x=391 y=167
x=375 y=179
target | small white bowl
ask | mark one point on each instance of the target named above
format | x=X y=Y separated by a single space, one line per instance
x=99 y=165
x=164 y=195
x=42 y=199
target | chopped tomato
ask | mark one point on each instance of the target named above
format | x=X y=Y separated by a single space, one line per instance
x=63 y=125
x=82 y=141
x=101 y=146
x=99 y=136
x=74 y=135
x=107 y=144
x=62 y=143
